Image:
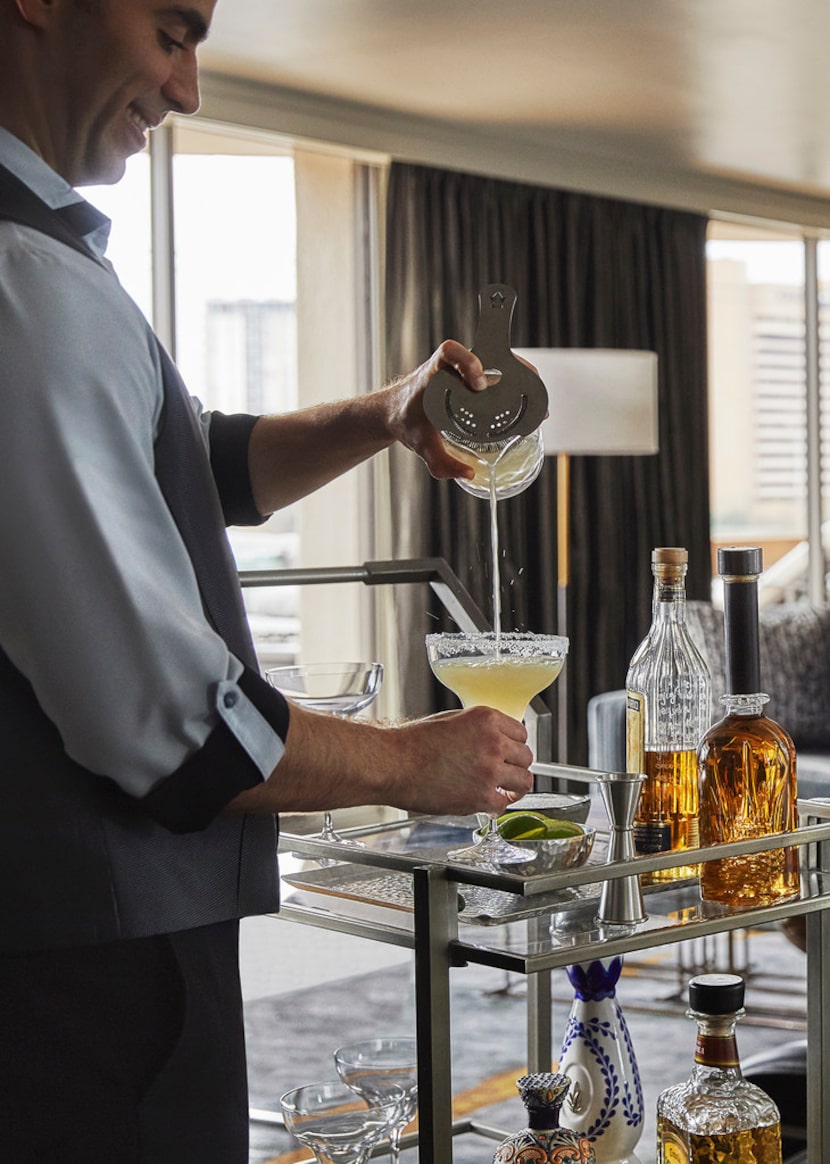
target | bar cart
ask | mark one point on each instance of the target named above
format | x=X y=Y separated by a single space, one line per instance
x=452 y=915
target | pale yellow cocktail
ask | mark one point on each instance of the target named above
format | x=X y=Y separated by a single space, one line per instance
x=504 y=682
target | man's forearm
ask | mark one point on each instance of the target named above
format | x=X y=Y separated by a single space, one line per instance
x=292 y=455
x=454 y=763
x=327 y=762
x=297 y=453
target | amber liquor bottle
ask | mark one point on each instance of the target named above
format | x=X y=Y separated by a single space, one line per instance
x=716 y=1116
x=747 y=760
x=668 y=702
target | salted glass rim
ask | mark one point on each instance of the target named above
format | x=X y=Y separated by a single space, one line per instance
x=554 y=643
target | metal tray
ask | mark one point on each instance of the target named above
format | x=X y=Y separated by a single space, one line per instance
x=393 y=890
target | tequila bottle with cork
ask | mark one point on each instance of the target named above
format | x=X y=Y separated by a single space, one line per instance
x=717 y=1116
x=747 y=760
x=668 y=700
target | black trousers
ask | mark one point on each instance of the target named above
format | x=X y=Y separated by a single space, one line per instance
x=126 y=1053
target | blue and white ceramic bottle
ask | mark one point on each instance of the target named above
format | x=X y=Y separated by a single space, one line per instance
x=605 y=1099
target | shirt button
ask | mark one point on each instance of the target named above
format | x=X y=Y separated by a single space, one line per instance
x=231 y=698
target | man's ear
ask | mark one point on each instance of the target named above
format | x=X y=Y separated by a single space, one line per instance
x=35 y=12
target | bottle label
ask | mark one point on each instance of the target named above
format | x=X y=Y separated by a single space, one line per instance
x=672 y=1146
x=650 y=837
x=635 y=731
x=715 y=1051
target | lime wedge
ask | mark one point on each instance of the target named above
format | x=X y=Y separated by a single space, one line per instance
x=513 y=825
x=537 y=833
x=556 y=829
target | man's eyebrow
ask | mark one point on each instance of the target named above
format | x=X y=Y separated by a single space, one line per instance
x=193 y=20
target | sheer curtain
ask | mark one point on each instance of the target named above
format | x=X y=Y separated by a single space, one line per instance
x=588 y=272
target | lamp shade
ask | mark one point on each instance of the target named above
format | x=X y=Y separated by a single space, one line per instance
x=601 y=401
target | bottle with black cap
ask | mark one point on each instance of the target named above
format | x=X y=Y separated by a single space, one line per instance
x=746 y=761
x=717 y=1115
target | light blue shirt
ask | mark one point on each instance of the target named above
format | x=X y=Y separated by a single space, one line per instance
x=99 y=606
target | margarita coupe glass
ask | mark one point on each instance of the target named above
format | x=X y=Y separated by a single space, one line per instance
x=502 y=670
x=380 y=1069
x=343 y=689
x=335 y=1122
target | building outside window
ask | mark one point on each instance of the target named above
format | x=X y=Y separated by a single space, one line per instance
x=759 y=341
x=251 y=350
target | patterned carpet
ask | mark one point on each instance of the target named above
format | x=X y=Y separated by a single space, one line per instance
x=291 y=1037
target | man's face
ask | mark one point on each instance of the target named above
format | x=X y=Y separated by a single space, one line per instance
x=120 y=66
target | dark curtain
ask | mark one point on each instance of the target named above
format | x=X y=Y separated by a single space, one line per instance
x=588 y=272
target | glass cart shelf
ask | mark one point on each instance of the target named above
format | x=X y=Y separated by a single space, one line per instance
x=401 y=888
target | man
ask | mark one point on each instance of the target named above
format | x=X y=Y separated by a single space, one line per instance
x=144 y=757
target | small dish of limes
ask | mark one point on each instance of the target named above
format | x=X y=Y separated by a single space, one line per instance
x=542 y=844
x=536 y=826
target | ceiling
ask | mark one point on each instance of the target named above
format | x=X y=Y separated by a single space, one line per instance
x=730 y=89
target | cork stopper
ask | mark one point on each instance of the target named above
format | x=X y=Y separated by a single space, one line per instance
x=669 y=556
x=669 y=565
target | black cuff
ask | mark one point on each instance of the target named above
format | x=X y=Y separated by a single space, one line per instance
x=229 y=440
x=189 y=799
x=270 y=703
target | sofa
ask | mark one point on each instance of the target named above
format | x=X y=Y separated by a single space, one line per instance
x=795 y=672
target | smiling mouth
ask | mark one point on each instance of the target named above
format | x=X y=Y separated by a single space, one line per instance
x=142 y=121
x=138 y=121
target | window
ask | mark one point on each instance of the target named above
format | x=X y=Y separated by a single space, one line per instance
x=127 y=205
x=235 y=322
x=275 y=293
x=759 y=401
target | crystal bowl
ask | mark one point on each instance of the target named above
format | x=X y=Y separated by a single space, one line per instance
x=546 y=856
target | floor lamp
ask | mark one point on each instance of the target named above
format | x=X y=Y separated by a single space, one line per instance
x=601 y=402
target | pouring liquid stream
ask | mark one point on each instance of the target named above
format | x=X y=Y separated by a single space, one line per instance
x=494 y=551
x=500 y=670
x=492 y=473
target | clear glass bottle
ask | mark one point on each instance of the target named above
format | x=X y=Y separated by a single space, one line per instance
x=668 y=701
x=717 y=1116
x=747 y=761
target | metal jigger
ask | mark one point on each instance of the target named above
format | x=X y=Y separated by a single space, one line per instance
x=621 y=902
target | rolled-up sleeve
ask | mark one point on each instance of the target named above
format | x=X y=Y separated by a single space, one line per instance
x=228 y=440
x=251 y=719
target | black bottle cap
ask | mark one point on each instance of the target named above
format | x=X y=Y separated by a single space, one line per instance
x=716 y=993
x=740 y=561
x=739 y=566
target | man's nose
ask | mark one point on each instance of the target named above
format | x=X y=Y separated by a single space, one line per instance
x=182 y=87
